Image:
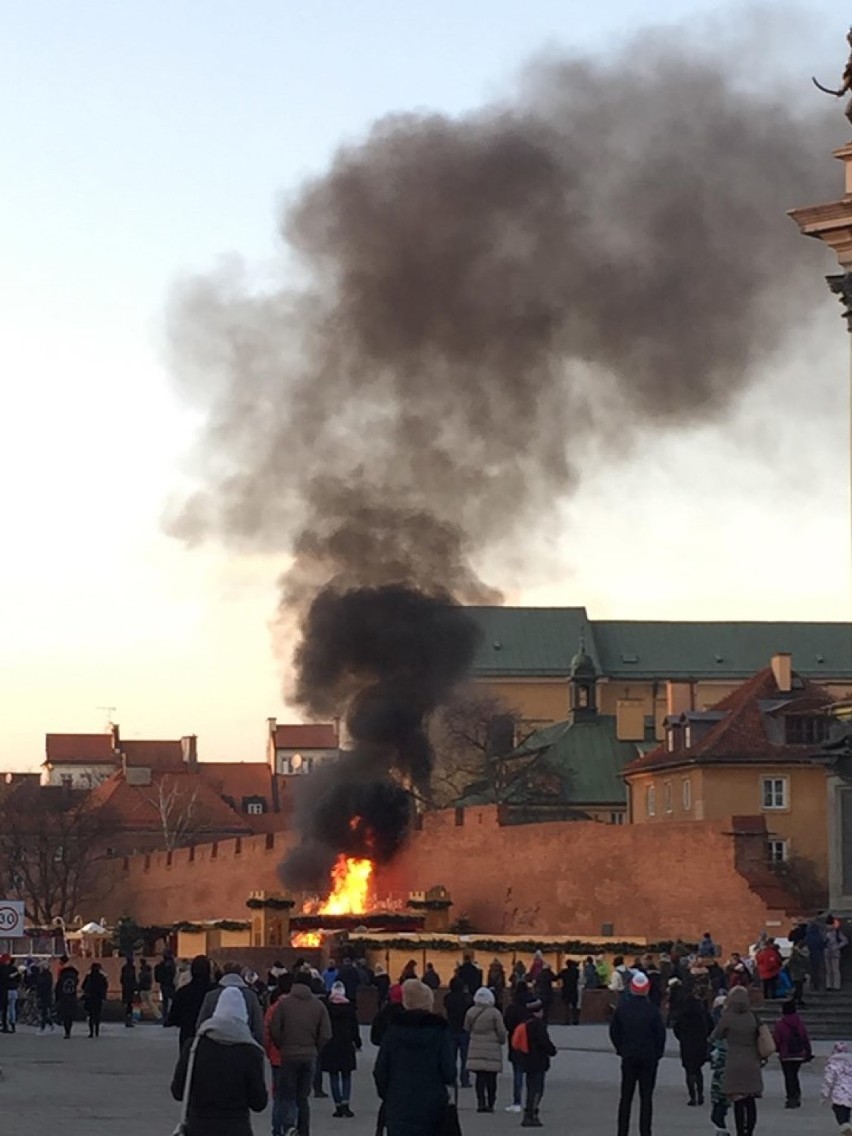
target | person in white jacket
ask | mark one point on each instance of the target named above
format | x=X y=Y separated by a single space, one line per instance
x=837 y=1086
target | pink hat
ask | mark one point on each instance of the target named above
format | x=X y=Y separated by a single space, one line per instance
x=639 y=983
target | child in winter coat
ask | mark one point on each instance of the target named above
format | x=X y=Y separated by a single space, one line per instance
x=837 y=1086
x=718 y=1100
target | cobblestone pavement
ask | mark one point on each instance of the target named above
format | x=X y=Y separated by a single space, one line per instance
x=118 y=1086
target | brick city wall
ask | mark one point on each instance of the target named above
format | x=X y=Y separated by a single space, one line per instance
x=559 y=878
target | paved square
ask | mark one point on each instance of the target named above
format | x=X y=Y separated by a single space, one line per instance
x=119 y=1086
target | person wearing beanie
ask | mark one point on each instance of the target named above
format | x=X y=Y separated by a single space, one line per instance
x=387 y=1014
x=837 y=1086
x=337 y=1057
x=484 y=1026
x=794 y=1049
x=534 y=1050
x=638 y=1035
x=226 y=1081
x=414 y=1066
x=742 y=1081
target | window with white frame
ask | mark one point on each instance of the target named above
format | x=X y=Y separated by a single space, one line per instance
x=667 y=797
x=616 y=818
x=775 y=793
x=650 y=801
x=686 y=794
x=779 y=851
x=254 y=808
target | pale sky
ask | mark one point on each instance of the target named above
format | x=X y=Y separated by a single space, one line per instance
x=145 y=141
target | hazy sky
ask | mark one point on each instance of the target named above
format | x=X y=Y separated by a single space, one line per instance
x=143 y=142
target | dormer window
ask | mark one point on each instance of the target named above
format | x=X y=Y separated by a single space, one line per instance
x=254 y=806
x=806 y=729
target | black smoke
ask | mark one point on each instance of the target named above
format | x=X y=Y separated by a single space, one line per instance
x=485 y=303
x=391 y=655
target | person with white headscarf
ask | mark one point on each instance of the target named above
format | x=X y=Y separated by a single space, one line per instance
x=222 y=1072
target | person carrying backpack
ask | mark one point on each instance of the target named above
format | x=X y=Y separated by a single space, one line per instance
x=532 y=1043
x=794 y=1049
x=67 y=982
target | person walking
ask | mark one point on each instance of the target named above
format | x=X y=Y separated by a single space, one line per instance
x=535 y=1049
x=12 y=998
x=431 y=977
x=391 y=1010
x=742 y=1081
x=414 y=1066
x=44 y=997
x=837 y=1086
x=67 y=982
x=496 y=982
x=638 y=1035
x=146 y=989
x=692 y=1029
x=95 y=990
x=232 y=979
x=835 y=941
x=569 y=979
x=6 y=967
x=283 y=985
x=516 y=1012
x=165 y=975
x=337 y=1056
x=794 y=1049
x=225 y=1083
x=469 y=974
x=129 y=989
x=189 y=998
x=718 y=1101
x=299 y=1028
x=457 y=1002
x=484 y=1026
x=381 y=981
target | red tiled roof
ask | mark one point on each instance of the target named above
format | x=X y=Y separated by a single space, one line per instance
x=241 y=779
x=316 y=735
x=135 y=808
x=154 y=755
x=741 y=735
x=79 y=749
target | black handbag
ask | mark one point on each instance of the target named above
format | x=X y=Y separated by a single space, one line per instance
x=450 y=1125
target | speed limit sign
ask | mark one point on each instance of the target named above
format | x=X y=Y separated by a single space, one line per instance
x=11 y=918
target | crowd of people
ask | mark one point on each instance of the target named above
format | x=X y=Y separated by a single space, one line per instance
x=231 y=1024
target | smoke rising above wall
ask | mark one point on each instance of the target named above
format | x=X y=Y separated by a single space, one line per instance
x=482 y=299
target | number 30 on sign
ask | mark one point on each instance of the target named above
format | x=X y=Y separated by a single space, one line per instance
x=11 y=918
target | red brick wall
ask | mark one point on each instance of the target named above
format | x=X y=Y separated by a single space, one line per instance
x=546 y=879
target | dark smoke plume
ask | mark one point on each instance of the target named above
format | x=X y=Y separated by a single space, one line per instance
x=392 y=655
x=485 y=300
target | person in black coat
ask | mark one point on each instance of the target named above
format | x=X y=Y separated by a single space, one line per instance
x=457 y=1002
x=186 y=1004
x=692 y=1029
x=129 y=989
x=569 y=977
x=337 y=1056
x=535 y=1061
x=387 y=1015
x=382 y=982
x=414 y=1066
x=227 y=1082
x=470 y=975
x=95 y=989
x=67 y=982
x=44 y=997
x=638 y=1035
x=515 y=1013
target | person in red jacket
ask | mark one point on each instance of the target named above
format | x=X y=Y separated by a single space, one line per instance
x=769 y=964
x=794 y=1049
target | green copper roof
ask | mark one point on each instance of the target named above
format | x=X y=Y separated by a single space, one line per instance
x=527 y=642
x=576 y=764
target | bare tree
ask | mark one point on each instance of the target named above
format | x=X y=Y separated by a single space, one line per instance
x=51 y=845
x=178 y=809
x=471 y=735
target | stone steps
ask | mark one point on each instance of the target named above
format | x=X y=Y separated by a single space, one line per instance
x=828 y=1016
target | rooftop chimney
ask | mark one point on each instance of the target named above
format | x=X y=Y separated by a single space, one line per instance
x=782 y=669
x=678 y=698
x=189 y=750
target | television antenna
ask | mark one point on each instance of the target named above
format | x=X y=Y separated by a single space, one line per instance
x=109 y=711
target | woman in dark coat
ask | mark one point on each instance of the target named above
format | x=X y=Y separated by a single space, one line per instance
x=186 y=1004
x=337 y=1057
x=742 y=1080
x=227 y=1081
x=414 y=1066
x=95 y=989
x=692 y=1029
x=129 y=989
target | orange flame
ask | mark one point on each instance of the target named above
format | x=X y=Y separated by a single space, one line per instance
x=350 y=895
